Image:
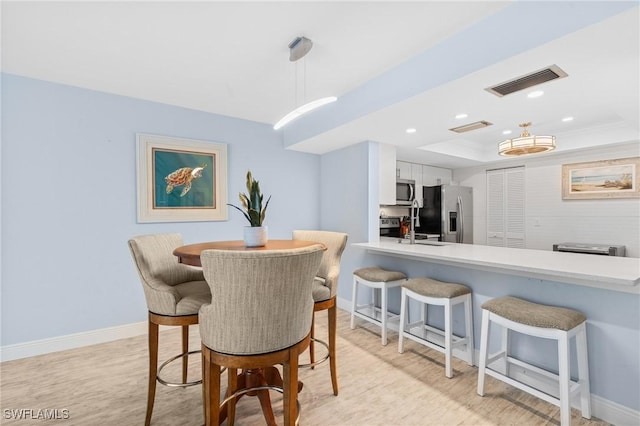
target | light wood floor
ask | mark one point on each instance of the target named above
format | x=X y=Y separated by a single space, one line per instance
x=106 y=385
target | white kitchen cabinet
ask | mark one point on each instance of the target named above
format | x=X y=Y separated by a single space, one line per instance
x=435 y=176
x=403 y=170
x=423 y=175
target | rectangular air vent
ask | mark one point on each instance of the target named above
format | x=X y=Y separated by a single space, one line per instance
x=552 y=72
x=471 y=126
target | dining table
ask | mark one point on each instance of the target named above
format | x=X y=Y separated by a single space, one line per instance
x=261 y=378
x=190 y=254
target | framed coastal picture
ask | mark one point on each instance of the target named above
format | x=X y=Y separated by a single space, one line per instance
x=181 y=180
x=617 y=178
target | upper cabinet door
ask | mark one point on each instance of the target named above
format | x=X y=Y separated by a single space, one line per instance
x=403 y=170
x=432 y=176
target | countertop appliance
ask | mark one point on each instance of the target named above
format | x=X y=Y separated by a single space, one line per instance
x=405 y=191
x=390 y=227
x=448 y=212
x=601 y=249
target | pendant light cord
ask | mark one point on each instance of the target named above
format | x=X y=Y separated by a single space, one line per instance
x=295 y=56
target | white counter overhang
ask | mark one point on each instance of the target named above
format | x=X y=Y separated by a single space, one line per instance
x=607 y=272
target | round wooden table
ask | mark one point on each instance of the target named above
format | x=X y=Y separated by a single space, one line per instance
x=190 y=254
x=256 y=377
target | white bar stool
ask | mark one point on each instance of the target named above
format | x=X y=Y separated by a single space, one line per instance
x=376 y=279
x=433 y=292
x=549 y=322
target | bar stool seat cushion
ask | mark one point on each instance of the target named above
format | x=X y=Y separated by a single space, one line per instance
x=376 y=274
x=534 y=314
x=433 y=288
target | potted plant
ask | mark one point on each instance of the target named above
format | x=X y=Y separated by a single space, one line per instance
x=255 y=235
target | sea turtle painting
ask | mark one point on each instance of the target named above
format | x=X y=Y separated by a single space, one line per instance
x=183 y=176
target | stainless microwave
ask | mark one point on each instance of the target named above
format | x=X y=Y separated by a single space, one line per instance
x=405 y=191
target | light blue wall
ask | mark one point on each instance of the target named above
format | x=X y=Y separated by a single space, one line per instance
x=69 y=200
x=344 y=207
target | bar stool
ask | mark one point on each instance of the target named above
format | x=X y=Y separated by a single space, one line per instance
x=428 y=291
x=549 y=322
x=376 y=279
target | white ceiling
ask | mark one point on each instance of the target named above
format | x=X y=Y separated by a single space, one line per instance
x=231 y=58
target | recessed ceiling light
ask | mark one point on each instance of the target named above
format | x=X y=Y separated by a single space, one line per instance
x=461 y=116
x=535 y=94
x=506 y=132
x=411 y=130
x=567 y=119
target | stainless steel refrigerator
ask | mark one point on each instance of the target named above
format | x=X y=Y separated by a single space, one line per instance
x=448 y=211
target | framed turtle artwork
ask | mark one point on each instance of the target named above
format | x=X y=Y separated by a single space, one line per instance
x=181 y=180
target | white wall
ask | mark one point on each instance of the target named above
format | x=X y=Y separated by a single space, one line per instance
x=550 y=219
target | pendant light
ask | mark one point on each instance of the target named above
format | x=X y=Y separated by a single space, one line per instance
x=526 y=144
x=298 y=48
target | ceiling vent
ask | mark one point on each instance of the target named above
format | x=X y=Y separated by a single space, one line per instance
x=471 y=126
x=550 y=73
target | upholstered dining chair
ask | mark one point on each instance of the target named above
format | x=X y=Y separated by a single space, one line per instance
x=325 y=288
x=174 y=293
x=260 y=315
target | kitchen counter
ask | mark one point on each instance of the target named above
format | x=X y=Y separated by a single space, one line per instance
x=606 y=289
x=607 y=272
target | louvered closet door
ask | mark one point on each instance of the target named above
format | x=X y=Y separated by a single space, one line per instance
x=505 y=207
x=495 y=208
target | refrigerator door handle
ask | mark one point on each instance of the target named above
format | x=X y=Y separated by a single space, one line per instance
x=460 y=233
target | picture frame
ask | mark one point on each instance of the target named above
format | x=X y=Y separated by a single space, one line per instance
x=181 y=180
x=607 y=179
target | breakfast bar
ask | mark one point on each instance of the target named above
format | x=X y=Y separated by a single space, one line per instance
x=606 y=289
x=611 y=273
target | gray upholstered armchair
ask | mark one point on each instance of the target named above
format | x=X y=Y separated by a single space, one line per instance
x=325 y=288
x=260 y=315
x=174 y=294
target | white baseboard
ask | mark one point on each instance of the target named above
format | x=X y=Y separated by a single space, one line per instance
x=601 y=408
x=71 y=341
x=613 y=413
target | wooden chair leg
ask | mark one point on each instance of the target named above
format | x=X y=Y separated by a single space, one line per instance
x=232 y=386
x=206 y=376
x=267 y=409
x=290 y=397
x=333 y=323
x=214 y=393
x=185 y=349
x=153 y=369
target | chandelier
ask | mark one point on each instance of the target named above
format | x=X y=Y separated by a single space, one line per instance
x=526 y=144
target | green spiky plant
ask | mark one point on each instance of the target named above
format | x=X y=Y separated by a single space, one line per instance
x=252 y=202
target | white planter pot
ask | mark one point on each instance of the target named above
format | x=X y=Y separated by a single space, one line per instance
x=255 y=236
